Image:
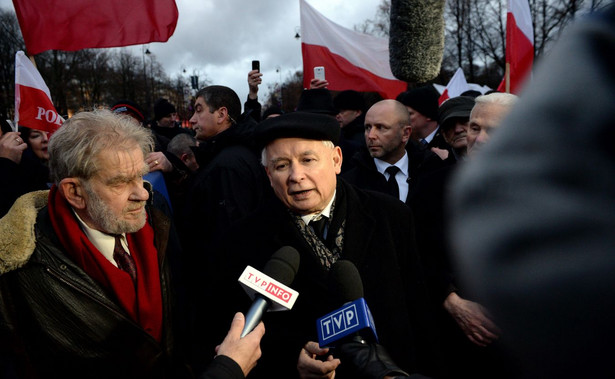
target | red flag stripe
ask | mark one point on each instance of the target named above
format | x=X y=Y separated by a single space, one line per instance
x=519 y=54
x=36 y=110
x=343 y=75
x=75 y=25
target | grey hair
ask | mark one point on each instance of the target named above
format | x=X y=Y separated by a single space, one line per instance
x=327 y=143
x=499 y=98
x=180 y=144
x=75 y=147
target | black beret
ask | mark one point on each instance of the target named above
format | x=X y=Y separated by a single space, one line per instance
x=459 y=107
x=298 y=125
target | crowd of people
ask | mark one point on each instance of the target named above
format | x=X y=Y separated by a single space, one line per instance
x=105 y=274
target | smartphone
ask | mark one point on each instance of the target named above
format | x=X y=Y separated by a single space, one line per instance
x=256 y=65
x=319 y=73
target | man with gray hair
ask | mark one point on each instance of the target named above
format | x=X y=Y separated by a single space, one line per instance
x=486 y=115
x=84 y=268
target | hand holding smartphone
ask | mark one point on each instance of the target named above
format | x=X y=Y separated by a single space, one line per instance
x=319 y=73
x=256 y=65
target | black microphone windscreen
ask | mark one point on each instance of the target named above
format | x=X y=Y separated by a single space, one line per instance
x=416 y=39
x=283 y=265
x=345 y=281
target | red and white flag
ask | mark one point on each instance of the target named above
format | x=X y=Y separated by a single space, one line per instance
x=352 y=60
x=519 y=46
x=455 y=87
x=76 y=25
x=33 y=106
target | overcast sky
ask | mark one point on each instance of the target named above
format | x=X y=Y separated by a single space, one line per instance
x=219 y=39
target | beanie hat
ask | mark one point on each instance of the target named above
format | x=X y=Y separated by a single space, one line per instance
x=163 y=108
x=422 y=99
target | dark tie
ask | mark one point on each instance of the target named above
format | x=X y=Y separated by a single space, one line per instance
x=424 y=142
x=392 y=182
x=319 y=226
x=124 y=260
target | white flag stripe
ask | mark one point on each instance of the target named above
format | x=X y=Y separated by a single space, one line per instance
x=27 y=75
x=521 y=12
x=362 y=50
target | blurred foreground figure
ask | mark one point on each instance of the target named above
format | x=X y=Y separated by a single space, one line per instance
x=535 y=212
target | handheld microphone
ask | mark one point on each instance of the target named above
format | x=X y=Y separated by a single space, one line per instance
x=354 y=317
x=416 y=39
x=269 y=289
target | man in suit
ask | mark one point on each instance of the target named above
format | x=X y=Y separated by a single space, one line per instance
x=372 y=230
x=391 y=163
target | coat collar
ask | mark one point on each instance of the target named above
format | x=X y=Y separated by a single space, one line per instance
x=17 y=230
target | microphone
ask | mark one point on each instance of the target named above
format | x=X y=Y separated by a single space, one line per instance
x=354 y=317
x=416 y=39
x=268 y=289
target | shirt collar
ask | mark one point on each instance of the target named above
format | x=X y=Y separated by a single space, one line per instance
x=402 y=164
x=325 y=212
x=105 y=243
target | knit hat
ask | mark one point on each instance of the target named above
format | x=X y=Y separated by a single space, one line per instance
x=455 y=107
x=163 y=108
x=130 y=108
x=317 y=100
x=349 y=100
x=422 y=99
x=298 y=125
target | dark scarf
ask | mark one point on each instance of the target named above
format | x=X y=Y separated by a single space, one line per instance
x=329 y=251
x=143 y=303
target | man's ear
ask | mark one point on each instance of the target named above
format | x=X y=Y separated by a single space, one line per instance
x=222 y=115
x=73 y=192
x=406 y=133
x=337 y=159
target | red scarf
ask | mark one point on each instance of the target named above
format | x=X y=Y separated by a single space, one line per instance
x=143 y=303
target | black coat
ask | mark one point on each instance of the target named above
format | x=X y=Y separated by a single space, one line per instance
x=229 y=186
x=365 y=175
x=62 y=323
x=352 y=139
x=379 y=240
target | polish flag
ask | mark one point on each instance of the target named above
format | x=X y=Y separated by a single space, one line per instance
x=75 y=25
x=519 y=46
x=33 y=106
x=455 y=87
x=351 y=60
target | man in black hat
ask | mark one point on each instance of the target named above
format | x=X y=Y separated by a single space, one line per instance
x=350 y=106
x=454 y=118
x=374 y=231
x=422 y=103
x=165 y=124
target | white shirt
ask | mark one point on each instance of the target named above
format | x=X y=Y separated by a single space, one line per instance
x=432 y=135
x=105 y=243
x=325 y=212
x=402 y=176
